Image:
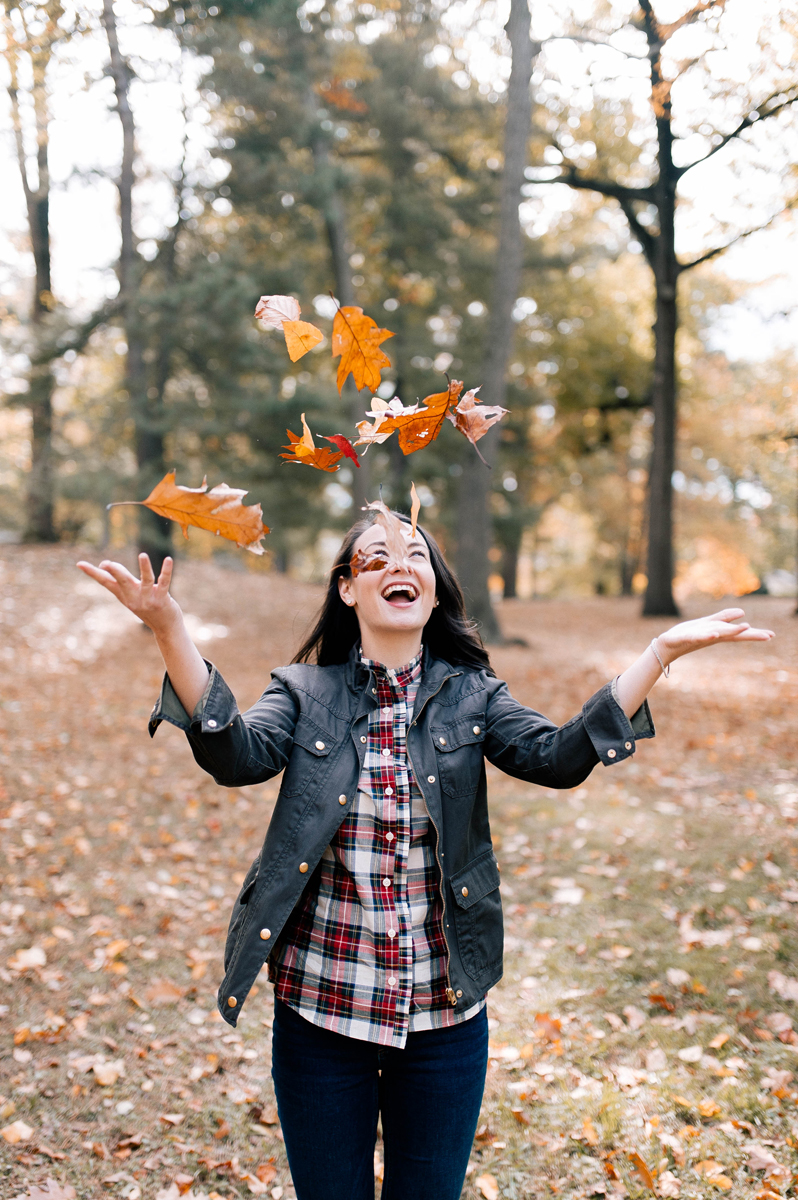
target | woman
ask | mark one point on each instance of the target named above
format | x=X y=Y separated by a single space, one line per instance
x=375 y=898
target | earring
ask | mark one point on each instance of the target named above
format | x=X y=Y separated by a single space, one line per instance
x=437 y=602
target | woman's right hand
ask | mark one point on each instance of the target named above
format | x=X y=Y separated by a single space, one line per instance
x=147 y=598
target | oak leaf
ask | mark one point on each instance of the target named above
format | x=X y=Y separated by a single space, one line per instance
x=304 y=450
x=473 y=418
x=357 y=340
x=282 y=312
x=219 y=510
x=415 y=425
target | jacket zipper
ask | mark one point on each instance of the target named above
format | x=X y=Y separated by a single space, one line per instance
x=450 y=996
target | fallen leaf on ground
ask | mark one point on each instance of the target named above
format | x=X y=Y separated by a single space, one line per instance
x=668 y=1185
x=719 y=1040
x=172 y=1118
x=761 y=1159
x=709 y=1108
x=163 y=991
x=473 y=418
x=51 y=1191
x=16 y=1132
x=782 y=985
x=488 y=1185
x=107 y=1073
x=357 y=340
x=27 y=959
x=304 y=450
x=219 y=510
x=640 y=1166
x=589 y=1132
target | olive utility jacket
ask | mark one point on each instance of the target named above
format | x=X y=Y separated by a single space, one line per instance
x=311 y=723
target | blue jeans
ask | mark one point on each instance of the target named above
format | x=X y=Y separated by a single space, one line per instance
x=331 y=1090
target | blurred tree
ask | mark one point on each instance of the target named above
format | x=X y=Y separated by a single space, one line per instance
x=33 y=31
x=650 y=208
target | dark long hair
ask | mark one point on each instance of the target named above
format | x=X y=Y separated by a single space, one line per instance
x=448 y=634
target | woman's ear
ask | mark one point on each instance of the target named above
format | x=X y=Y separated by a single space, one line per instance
x=345 y=590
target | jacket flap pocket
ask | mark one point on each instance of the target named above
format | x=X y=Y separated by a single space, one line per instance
x=313 y=739
x=476 y=880
x=462 y=732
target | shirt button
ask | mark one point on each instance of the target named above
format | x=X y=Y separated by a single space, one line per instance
x=389 y=790
x=391 y=933
x=342 y=799
x=320 y=746
x=386 y=712
x=611 y=753
x=389 y=837
x=391 y=981
x=363 y=740
x=265 y=934
x=386 y=882
x=477 y=729
x=442 y=741
x=430 y=779
x=303 y=868
x=386 y=753
x=628 y=745
x=211 y=724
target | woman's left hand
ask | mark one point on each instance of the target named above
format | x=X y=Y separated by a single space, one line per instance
x=725 y=626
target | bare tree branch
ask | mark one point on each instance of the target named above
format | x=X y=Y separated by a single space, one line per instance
x=644 y=236
x=589 y=41
x=618 y=191
x=763 y=112
x=689 y=18
x=710 y=254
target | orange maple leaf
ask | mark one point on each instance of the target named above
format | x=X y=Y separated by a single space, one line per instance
x=417 y=427
x=334 y=91
x=282 y=312
x=357 y=339
x=304 y=450
x=219 y=510
x=473 y=418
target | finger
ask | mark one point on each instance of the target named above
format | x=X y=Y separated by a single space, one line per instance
x=145 y=567
x=95 y=573
x=165 y=577
x=120 y=573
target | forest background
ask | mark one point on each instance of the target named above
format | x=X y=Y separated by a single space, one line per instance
x=358 y=151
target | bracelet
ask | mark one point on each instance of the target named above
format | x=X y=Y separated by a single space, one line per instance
x=665 y=670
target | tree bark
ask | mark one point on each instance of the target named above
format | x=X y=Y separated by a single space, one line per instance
x=155 y=533
x=39 y=510
x=474 y=522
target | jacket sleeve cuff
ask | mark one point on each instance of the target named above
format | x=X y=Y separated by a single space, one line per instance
x=214 y=711
x=612 y=733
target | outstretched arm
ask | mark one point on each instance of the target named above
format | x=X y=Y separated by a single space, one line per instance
x=727 y=626
x=152 y=603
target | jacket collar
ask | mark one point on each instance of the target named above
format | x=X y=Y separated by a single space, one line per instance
x=435 y=673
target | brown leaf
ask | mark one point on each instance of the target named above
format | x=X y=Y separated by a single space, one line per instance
x=223 y=1129
x=640 y=1166
x=709 y=1108
x=172 y=1118
x=589 y=1132
x=416 y=427
x=16 y=1132
x=305 y=451
x=51 y=1191
x=357 y=339
x=520 y=1116
x=272 y=311
x=108 y=1073
x=266 y=1172
x=488 y=1185
x=163 y=991
x=219 y=510
x=473 y=418
x=548 y=1027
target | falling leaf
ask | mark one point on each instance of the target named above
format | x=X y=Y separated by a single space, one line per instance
x=282 y=312
x=641 y=1168
x=27 y=959
x=589 y=1132
x=300 y=336
x=107 y=1073
x=357 y=340
x=18 y=1131
x=488 y=1185
x=397 y=534
x=416 y=427
x=304 y=450
x=344 y=445
x=415 y=508
x=219 y=510
x=473 y=418
x=384 y=413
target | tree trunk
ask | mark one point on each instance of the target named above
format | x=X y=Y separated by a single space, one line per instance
x=474 y=523
x=335 y=225
x=39 y=510
x=510 y=569
x=155 y=535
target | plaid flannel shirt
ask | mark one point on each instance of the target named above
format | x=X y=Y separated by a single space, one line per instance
x=364 y=953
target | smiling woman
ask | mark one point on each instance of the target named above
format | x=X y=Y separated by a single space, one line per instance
x=375 y=899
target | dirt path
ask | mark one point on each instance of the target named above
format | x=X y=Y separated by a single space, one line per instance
x=649 y=928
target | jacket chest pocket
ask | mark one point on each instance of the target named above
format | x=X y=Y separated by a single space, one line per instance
x=310 y=753
x=478 y=915
x=459 y=751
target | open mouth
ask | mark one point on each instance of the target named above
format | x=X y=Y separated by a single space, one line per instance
x=400 y=593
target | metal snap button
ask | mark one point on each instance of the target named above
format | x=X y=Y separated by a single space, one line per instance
x=374 y=690
x=628 y=745
x=303 y=868
x=430 y=779
x=611 y=753
x=363 y=740
x=442 y=741
x=459 y=993
x=231 y=1002
x=342 y=799
x=211 y=724
x=265 y=934
x=320 y=746
x=477 y=729
x=464 y=891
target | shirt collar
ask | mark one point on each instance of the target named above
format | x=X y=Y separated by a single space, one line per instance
x=398 y=678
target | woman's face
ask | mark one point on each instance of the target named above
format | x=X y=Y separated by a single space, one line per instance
x=398 y=598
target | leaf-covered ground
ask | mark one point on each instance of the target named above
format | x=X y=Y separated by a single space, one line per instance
x=643 y=1033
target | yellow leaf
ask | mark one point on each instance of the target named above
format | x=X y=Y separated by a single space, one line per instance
x=589 y=1132
x=488 y=1185
x=720 y=1040
x=709 y=1108
x=219 y=510
x=300 y=336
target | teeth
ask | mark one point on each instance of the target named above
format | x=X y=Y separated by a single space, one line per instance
x=401 y=587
